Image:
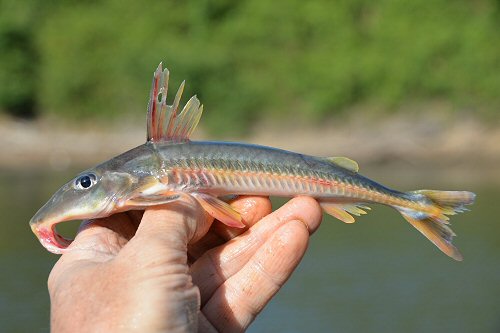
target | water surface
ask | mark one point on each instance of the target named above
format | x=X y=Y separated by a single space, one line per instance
x=377 y=275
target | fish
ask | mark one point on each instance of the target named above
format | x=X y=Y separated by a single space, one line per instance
x=170 y=165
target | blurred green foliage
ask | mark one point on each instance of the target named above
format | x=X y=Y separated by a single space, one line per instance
x=248 y=59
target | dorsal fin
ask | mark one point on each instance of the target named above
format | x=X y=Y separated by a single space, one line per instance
x=165 y=122
x=345 y=163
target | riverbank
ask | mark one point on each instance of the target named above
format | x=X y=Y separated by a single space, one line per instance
x=428 y=141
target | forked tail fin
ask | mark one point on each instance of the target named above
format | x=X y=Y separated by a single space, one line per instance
x=434 y=225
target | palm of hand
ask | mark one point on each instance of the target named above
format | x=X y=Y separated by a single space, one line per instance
x=173 y=270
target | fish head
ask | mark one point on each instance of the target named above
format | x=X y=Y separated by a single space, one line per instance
x=92 y=194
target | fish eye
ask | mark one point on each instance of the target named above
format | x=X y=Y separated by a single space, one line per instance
x=85 y=181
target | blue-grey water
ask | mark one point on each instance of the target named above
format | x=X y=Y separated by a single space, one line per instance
x=377 y=275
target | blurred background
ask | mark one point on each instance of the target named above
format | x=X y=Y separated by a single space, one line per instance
x=409 y=89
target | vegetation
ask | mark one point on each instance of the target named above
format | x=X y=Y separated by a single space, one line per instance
x=247 y=59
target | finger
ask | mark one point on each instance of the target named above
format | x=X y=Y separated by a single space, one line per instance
x=251 y=208
x=164 y=232
x=100 y=239
x=120 y=223
x=207 y=242
x=224 y=261
x=204 y=325
x=236 y=303
x=135 y=217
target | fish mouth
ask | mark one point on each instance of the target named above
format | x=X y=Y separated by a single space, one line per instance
x=50 y=238
x=44 y=223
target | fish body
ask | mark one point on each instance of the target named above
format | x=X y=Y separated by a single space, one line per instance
x=234 y=168
x=170 y=165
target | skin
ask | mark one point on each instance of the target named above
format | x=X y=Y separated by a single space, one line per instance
x=173 y=270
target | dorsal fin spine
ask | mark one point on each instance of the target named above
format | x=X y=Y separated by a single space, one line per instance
x=163 y=90
x=167 y=122
x=152 y=103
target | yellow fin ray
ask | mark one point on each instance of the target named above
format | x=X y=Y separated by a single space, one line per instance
x=436 y=231
x=343 y=211
x=357 y=210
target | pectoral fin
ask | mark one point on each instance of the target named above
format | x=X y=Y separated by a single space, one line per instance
x=152 y=192
x=151 y=200
x=219 y=210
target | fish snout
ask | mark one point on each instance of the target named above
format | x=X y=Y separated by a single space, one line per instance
x=45 y=230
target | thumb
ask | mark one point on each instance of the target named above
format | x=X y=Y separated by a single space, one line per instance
x=169 y=228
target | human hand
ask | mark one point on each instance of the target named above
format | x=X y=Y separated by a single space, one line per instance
x=171 y=269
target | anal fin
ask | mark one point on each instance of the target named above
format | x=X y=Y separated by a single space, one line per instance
x=356 y=209
x=343 y=211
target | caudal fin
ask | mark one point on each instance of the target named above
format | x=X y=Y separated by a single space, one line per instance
x=434 y=225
